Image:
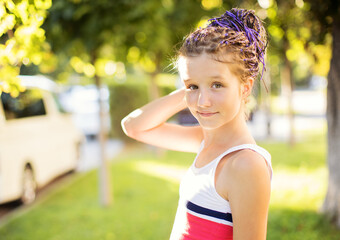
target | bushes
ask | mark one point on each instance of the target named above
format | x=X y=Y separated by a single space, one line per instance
x=124 y=98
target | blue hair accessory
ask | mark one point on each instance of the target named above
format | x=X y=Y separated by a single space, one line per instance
x=234 y=22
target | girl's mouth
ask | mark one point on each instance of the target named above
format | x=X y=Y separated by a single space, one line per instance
x=206 y=114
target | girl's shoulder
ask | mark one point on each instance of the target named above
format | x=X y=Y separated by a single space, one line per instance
x=245 y=165
x=247 y=161
x=247 y=158
x=244 y=170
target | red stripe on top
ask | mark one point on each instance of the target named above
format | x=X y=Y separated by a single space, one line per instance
x=201 y=229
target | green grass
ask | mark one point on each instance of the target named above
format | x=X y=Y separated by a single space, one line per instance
x=298 y=190
x=145 y=189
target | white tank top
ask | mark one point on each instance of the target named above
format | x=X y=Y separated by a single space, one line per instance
x=202 y=213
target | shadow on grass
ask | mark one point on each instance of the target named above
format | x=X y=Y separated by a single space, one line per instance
x=290 y=224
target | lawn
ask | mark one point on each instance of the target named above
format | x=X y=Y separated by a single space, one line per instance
x=145 y=187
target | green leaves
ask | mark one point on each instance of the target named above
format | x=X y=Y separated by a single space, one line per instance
x=22 y=40
x=139 y=34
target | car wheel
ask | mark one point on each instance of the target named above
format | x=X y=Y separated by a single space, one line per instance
x=29 y=187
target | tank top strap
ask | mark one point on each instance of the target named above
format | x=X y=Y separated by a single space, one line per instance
x=263 y=152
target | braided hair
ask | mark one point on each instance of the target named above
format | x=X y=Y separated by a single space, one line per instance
x=238 y=36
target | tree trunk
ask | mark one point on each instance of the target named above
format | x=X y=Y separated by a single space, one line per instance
x=153 y=87
x=104 y=171
x=266 y=94
x=331 y=206
x=288 y=83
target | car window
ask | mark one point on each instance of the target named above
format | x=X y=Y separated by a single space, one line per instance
x=27 y=104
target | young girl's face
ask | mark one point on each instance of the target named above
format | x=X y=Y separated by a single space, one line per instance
x=213 y=92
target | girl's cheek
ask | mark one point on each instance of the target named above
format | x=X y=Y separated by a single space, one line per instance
x=189 y=98
x=190 y=101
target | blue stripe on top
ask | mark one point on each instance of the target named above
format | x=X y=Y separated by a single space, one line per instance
x=208 y=212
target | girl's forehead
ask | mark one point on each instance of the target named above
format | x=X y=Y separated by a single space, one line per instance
x=202 y=65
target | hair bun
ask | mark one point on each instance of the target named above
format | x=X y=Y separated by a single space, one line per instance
x=246 y=22
x=250 y=20
x=239 y=31
x=241 y=20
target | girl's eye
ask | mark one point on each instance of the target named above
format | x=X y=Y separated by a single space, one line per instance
x=217 y=85
x=192 y=87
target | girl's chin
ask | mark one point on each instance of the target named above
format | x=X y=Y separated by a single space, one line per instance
x=209 y=125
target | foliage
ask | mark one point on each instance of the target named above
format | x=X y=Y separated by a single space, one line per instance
x=122 y=103
x=91 y=37
x=22 y=40
x=292 y=32
x=145 y=199
x=323 y=14
x=108 y=38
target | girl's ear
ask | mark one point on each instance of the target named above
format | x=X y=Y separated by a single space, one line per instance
x=247 y=86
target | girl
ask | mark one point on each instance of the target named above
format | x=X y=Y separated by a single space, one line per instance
x=225 y=193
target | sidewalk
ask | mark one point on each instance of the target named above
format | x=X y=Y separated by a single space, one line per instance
x=280 y=125
x=90 y=153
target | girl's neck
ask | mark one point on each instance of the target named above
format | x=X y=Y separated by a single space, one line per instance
x=228 y=135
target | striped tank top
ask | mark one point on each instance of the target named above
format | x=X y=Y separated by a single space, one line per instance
x=202 y=214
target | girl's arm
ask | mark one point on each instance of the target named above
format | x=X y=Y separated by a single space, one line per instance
x=248 y=195
x=148 y=124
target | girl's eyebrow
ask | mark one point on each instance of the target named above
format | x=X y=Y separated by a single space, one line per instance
x=217 y=77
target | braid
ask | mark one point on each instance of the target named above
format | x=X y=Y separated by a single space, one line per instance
x=237 y=31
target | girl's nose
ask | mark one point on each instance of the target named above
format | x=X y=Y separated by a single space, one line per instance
x=203 y=99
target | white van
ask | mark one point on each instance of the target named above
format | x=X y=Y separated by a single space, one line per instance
x=37 y=141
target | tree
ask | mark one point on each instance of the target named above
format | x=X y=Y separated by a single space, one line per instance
x=290 y=33
x=22 y=40
x=326 y=14
x=78 y=31
x=91 y=36
x=141 y=34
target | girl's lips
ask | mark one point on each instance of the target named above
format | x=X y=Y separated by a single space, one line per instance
x=206 y=114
